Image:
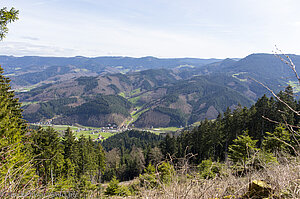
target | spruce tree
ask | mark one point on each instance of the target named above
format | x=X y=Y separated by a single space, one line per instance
x=49 y=152
x=15 y=161
x=6 y=17
x=14 y=158
x=71 y=154
x=277 y=141
x=284 y=114
x=242 y=150
x=259 y=123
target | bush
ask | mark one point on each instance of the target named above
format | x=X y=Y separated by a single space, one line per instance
x=85 y=185
x=209 y=169
x=148 y=179
x=166 y=171
x=114 y=189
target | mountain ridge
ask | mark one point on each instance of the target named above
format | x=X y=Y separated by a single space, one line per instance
x=177 y=95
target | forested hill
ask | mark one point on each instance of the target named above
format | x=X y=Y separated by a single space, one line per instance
x=31 y=70
x=157 y=98
x=183 y=92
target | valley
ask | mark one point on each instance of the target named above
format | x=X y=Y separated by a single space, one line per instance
x=139 y=92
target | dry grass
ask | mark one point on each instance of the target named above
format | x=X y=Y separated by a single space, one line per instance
x=284 y=179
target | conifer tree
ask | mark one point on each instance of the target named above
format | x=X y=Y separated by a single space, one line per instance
x=71 y=154
x=259 y=123
x=6 y=17
x=49 y=152
x=284 y=114
x=100 y=161
x=277 y=141
x=14 y=156
x=242 y=150
x=15 y=161
x=168 y=145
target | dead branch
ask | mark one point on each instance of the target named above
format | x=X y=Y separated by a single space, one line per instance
x=287 y=61
x=278 y=98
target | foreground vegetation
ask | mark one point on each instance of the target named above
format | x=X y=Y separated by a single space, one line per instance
x=245 y=153
x=223 y=158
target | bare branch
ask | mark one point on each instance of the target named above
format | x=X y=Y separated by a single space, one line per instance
x=278 y=98
x=287 y=61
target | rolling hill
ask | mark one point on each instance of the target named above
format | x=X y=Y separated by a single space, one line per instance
x=156 y=98
x=149 y=92
x=32 y=70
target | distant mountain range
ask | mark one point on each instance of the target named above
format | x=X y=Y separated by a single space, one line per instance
x=25 y=71
x=141 y=92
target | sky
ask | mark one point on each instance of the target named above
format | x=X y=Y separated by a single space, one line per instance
x=160 y=28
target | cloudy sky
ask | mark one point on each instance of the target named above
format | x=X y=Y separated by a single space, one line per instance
x=161 y=28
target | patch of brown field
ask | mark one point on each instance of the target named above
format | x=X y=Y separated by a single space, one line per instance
x=102 y=87
x=105 y=81
x=79 y=102
x=153 y=95
x=120 y=85
x=202 y=106
x=231 y=84
x=158 y=93
x=182 y=105
x=32 y=108
x=68 y=89
x=152 y=118
x=211 y=113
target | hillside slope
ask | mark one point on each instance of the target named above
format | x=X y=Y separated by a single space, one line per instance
x=148 y=98
x=31 y=70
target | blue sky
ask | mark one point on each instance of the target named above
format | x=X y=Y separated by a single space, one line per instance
x=161 y=28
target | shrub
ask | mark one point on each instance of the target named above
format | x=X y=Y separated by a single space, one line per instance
x=148 y=179
x=114 y=189
x=166 y=171
x=209 y=169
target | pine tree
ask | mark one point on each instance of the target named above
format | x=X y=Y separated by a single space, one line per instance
x=260 y=124
x=13 y=153
x=277 y=141
x=7 y=17
x=49 y=152
x=135 y=163
x=100 y=161
x=168 y=145
x=284 y=114
x=15 y=159
x=242 y=150
x=71 y=154
x=227 y=130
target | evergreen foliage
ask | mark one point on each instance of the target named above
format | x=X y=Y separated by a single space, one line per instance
x=6 y=17
x=128 y=139
x=166 y=172
x=114 y=189
x=14 y=158
x=60 y=159
x=277 y=141
x=216 y=139
x=49 y=152
x=94 y=106
x=209 y=169
x=89 y=83
x=243 y=150
x=149 y=179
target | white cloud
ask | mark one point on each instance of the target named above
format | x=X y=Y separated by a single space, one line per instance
x=160 y=28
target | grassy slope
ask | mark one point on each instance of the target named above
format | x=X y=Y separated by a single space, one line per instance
x=85 y=133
